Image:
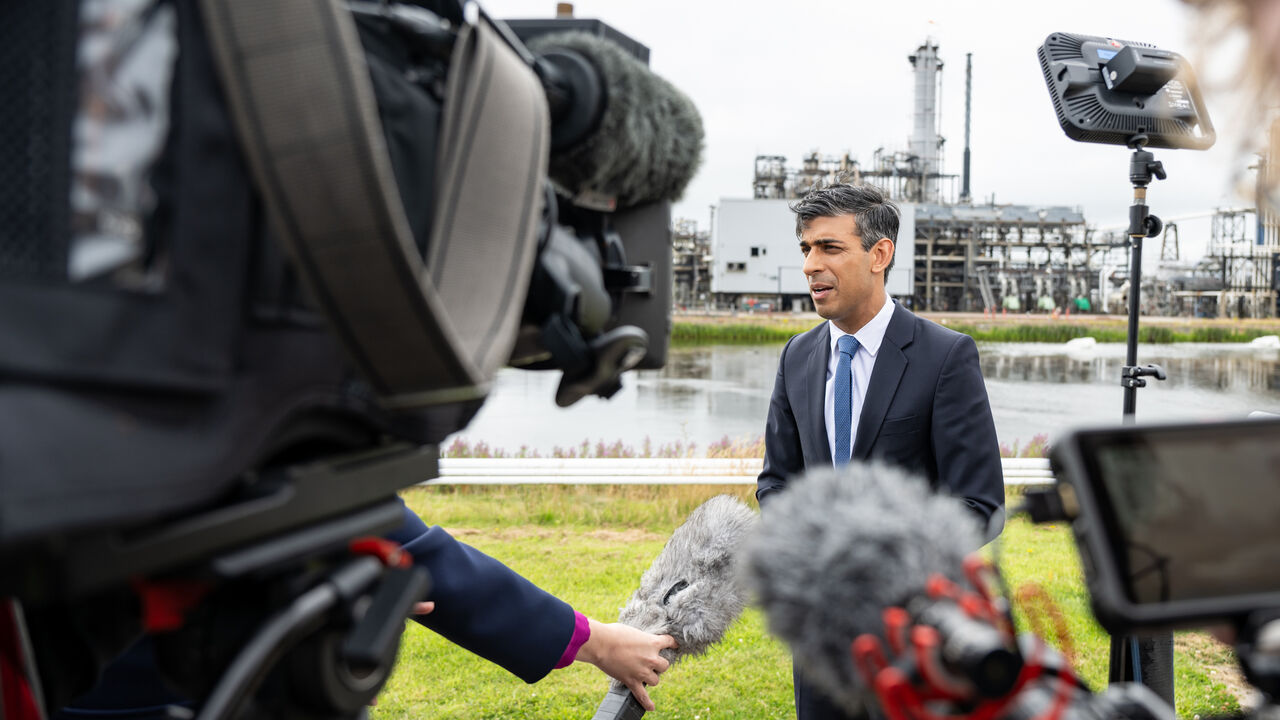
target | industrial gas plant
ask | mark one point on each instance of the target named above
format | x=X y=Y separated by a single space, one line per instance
x=965 y=255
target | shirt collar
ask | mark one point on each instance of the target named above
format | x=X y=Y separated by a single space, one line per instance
x=869 y=336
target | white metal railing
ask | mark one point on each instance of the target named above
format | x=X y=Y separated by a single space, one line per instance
x=652 y=471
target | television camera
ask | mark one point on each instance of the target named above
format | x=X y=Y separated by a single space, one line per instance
x=1175 y=525
x=258 y=260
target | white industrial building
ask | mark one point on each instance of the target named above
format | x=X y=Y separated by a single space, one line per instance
x=758 y=261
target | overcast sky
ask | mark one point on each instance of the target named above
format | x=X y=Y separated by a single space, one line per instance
x=790 y=78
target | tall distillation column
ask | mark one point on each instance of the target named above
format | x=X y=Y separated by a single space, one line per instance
x=926 y=142
x=965 y=197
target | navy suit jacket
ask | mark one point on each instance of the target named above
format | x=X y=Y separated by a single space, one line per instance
x=485 y=606
x=925 y=410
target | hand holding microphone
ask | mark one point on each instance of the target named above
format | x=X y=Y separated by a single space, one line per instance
x=691 y=592
x=630 y=656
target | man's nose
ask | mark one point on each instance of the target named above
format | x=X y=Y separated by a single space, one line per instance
x=811 y=264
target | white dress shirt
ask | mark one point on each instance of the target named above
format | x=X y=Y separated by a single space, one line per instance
x=869 y=337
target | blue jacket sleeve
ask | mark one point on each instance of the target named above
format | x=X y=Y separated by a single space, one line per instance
x=783 y=456
x=486 y=607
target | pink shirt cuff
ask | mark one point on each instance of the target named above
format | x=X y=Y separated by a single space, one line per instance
x=581 y=631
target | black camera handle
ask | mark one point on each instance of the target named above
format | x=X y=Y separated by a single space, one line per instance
x=1147 y=659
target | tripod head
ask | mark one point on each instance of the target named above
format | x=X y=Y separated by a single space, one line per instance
x=1143 y=167
x=1143 y=163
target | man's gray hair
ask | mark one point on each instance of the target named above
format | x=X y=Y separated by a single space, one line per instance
x=874 y=215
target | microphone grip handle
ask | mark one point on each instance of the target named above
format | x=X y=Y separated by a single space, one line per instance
x=619 y=705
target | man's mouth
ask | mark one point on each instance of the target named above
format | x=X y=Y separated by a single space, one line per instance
x=819 y=290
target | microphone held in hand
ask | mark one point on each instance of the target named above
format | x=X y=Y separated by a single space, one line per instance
x=691 y=592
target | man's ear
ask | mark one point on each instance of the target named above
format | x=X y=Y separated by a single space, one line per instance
x=881 y=255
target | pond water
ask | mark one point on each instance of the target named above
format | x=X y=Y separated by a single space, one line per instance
x=706 y=394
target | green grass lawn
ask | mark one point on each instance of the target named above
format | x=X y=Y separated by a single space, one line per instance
x=754 y=329
x=590 y=544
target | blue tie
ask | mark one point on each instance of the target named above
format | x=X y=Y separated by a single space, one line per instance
x=847 y=345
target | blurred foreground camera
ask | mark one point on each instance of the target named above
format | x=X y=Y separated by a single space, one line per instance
x=1176 y=527
x=258 y=260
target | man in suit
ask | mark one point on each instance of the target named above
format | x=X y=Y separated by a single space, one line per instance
x=874 y=380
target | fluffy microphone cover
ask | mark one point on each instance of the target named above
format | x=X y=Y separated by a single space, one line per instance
x=838 y=547
x=649 y=142
x=692 y=591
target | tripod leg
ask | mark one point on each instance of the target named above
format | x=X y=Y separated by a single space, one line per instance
x=1153 y=665
x=1155 y=658
x=1121 y=669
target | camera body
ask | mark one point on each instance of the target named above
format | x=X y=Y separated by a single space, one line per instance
x=1175 y=525
x=217 y=378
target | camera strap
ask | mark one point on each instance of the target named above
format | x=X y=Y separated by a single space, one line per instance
x=423 y=330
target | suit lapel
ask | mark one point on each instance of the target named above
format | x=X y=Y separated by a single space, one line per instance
x=816 y=391
x=891 y=363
